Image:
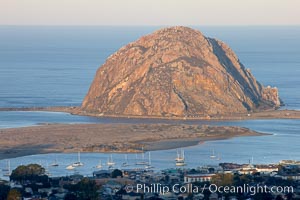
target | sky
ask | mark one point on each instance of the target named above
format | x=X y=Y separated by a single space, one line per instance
x=149 y=12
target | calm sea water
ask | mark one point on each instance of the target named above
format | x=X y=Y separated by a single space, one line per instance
x=42 y=66
x=48 y=66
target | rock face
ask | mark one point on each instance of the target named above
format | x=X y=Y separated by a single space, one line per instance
x=176 y=71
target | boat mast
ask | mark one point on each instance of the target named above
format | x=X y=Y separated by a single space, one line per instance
x=78 y=156
x=149 y=162
x=8 y=166
x=143 y=154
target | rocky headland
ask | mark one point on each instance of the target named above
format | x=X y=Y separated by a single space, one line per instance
x=176 y=72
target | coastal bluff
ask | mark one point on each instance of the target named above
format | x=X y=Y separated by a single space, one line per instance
x=176 y=72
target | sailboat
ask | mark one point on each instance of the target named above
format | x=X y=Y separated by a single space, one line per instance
x=149 y=166
x=180 y=160
x=78 y=163
x=47 y=172
x=75 y=164
x=125 y=164
x=99 y=166
x=110 y=163
x=54 y=164
x=70 y=167
x=180 y=156
x=143 y=162
x=219 y=157
x=8 y=171
x=213 y=156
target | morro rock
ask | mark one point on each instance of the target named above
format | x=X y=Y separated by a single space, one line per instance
x=176 y=71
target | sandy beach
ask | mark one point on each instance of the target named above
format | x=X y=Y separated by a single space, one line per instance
x=109 y=137
x=47 y=138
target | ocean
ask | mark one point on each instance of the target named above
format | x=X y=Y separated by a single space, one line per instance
x=49 y=65
x=54 y=66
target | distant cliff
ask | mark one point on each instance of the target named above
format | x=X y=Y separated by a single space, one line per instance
x=176 y=71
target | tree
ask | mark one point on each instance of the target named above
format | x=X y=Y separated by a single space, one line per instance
x=239 y=180
x=4 y=189
x=70 y=196
x=89 y=189
x=289 y=196
x=222 y=179
x=116 y=173
x=211 y=170
x=246 y=178
x=263 y=196
x=206 y=193
x=31 y=172
x=279 y=197
x=86 y=189
x=14 y=194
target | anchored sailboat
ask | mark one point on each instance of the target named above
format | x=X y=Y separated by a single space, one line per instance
x=142 y=162
x=47 y=172
x=125 y=164
x=110 y=163
x=180 y=160
x=78 y=163
x=70 y=167
x=219 y=157
x=180 y=156
x=99 y=166
x=75 y=164
x=55 y=163
x=213 y=156
x=149 y=166
x=8 y=170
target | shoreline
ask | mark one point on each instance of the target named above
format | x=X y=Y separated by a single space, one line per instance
x=115 y=142
x=110 y=138
x=74 y=110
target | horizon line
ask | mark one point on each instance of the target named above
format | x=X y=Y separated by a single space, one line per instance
x=206 y=25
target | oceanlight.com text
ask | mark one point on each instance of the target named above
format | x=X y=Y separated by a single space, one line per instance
x=213 y=188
